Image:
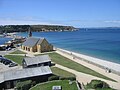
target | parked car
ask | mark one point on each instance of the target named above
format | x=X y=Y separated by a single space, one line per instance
x=1 y=59
x=8 y=49
x=0 y=55
x=13 y=64
x=7 y=62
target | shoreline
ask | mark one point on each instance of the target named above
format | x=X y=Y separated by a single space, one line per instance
x=104 y=64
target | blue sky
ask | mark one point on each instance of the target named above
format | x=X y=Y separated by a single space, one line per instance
x=78 y=13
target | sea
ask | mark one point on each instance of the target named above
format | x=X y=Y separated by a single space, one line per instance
x=3 y=40
x=100 y=43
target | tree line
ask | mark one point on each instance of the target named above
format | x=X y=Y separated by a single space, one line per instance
x=25 y=28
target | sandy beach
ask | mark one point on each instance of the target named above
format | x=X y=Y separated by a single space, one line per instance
x=94 y=67
x=106 y=64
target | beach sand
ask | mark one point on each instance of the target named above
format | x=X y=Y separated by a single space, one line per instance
x=94 y=66
x=103 y=63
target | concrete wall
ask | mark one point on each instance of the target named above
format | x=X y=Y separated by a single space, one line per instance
x=45 y=46
x=38 y=48
x=24 y=65
x=36 y=65
x=31 y=49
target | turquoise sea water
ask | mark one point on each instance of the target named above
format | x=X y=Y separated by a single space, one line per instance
x=100 y=43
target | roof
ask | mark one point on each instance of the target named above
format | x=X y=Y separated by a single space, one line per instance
x=1 y=77
x=31 y=42
x=40 y=41
x=24 y=73
x=37 y=59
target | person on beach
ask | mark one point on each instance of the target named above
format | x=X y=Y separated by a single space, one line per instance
x=73 y=57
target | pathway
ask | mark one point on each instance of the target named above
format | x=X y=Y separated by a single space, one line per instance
x=6 y=52
x=85 y=78
x=95 y=68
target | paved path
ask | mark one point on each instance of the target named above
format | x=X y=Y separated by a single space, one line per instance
x=6 y=52
x=95 y=68
x=28 y=55
x=85 y=78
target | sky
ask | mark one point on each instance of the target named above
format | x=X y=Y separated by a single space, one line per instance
x=77 y=13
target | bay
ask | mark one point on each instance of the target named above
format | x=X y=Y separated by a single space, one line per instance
x=100 y=43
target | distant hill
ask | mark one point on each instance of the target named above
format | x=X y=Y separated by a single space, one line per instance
x=39 y=28
x=101 y=28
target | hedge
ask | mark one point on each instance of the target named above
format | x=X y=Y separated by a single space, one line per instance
x=53 y=78
x=67 y=78
x=24 y=85
x=95 y=84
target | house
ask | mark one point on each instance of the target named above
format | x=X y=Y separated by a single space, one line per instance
x=9 y=44
x=18 y=39
x=2 y=47
x=9 y=79
x=43 y=60
x=36 y=45
x=34 y=68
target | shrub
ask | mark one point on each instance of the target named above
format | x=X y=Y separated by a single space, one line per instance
x=98 y=84
x=24 y=85
x=53 y=78
x=63 y=78
x=33 y=83
x=67 y=78
x=72 y=78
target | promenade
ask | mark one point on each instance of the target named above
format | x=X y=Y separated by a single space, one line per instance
x=87 y=78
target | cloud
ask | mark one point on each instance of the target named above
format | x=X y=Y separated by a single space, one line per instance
x=113 y=21
x=25 y=21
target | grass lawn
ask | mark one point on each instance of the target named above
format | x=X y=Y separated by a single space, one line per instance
x=18 y=52
x=62 y=73
x=48 y=85
x=98 y=85
x=16 y=58
x=57 y=58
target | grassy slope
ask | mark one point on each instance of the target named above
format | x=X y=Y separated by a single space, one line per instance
x=62 y=73
x=17 y=52
x=15 y=58
x=48 y=86
x=73 y=65
x=62 y=61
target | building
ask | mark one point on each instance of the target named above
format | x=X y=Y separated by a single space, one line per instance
x=36 y=45
x=9 y=44
x=34 y=68
x=2 y=47
x=43 y=60
x=18 y=39
x=9 y=79
x=29 y=32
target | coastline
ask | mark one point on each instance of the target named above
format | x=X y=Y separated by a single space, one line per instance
x=104 y=64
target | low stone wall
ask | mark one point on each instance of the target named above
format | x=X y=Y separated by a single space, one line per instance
x=79 y=86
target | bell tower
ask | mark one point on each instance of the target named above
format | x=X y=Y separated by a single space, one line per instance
x=29 y=32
